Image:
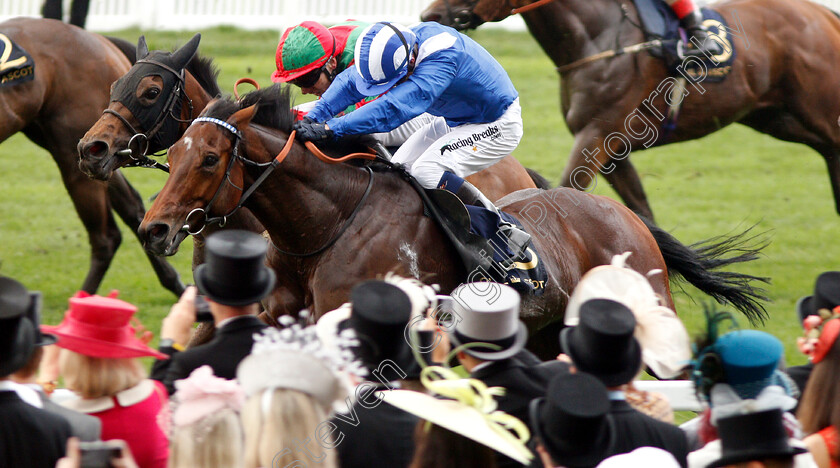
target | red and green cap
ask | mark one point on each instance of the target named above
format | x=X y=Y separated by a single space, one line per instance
x=302 y=48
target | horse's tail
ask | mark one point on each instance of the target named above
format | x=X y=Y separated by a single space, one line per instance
x=539 y=180
x=127 y=48
x=699 y=264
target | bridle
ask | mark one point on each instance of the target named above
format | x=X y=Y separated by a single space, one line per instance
x=269 y=168
x=138 y=144
x=463 y=19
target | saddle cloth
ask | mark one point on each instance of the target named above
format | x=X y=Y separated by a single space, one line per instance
x=16 y=65
x=660 y=22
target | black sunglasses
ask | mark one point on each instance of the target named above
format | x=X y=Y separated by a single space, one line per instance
x=308 y=79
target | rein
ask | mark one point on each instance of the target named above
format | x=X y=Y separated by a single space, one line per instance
x=269 y=168
x=140 y=157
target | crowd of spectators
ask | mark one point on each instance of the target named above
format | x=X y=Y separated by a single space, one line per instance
x=403 y=376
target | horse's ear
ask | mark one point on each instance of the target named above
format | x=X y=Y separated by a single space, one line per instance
x=242 y=117
x=181 y=57
x=142 y=48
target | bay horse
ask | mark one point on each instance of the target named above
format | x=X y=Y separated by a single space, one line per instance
x=785 y=49
x=73 y=70
x=333 y=225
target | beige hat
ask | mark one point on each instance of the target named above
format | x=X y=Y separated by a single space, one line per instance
x=662 y=335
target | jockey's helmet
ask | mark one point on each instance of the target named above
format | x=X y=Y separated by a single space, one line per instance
x=304 y=48
x=382 y=55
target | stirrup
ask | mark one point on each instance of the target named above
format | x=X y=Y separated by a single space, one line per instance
x=517 y=239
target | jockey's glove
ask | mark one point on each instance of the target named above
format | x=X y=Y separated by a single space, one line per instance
x=309 y=130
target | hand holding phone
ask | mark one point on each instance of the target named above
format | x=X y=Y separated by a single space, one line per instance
x=202 y=310
x=100 y=454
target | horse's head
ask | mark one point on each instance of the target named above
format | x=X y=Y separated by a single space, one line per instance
x=205 y=181
x=469 y=14
x=144 y=114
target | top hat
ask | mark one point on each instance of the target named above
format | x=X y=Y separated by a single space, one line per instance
x=380 y=312
x=34 y=316
x=487 y=313
x=753 y=436
x=17 y=333
x=603 y=343
x=234 y=272
x=826 y=296
x=572 y=421
x=98 y=326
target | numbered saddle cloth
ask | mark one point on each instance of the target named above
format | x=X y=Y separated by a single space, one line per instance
x=16 y=65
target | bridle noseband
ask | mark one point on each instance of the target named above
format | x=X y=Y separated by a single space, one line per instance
x=138 y=145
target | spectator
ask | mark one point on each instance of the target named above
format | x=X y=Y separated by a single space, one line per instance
x=99 y=362
x=207 y=431
x=29 y=436
x=490 y=339
x=462 y=431
x=759 y=438
x=819 y=409
x=234 y=280
x=649 y=457
x=85 y=427
x=602 y=344
x=381 y=434
x=826 y=297
x=572 y=423
x=78 y=11
x=294 y=382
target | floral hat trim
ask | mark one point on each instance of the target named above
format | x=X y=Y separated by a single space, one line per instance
x=821 y=332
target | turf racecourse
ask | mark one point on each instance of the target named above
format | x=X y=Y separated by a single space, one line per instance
x=721 y=183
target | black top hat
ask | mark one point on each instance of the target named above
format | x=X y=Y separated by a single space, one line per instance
x=826 y=296
x=17 y=333
x=234 y=272
x=34 y=316
x=573 y=421
x=753 y=436
x=380 y=314
x=603 y=344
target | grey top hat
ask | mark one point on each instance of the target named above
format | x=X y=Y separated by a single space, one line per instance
x=234 y=272
x=487 y=313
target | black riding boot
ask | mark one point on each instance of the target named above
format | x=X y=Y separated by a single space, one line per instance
x=518 y=240
x=696 y=31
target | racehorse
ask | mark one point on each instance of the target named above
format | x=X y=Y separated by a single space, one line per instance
x=334 y=225
x=102 y=148
x=777 y=85
x=73 y=69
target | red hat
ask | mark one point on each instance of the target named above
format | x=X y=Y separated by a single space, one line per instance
x=99 y=326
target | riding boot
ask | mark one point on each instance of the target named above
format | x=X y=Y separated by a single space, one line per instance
x=518 y=240
x=693 y=24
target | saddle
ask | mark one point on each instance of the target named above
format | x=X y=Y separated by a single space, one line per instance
x=660 y=22
x=16 y=65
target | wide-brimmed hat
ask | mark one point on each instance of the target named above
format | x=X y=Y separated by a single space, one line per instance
x=572 y=421
x=17 y=333
x=234 y=271
x=664 y=340
x=826 y=296
x=602 y=344
x=487 y=313
x=379 y=314
x=753 y=436
x=100 y=327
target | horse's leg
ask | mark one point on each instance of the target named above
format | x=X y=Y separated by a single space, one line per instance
x=128 y=204
x=589 y=158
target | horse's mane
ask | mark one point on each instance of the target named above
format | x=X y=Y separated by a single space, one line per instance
x=274 y=107
x=206 y=73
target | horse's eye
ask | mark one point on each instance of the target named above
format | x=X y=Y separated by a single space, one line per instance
x=210 y=160
x=151 y=93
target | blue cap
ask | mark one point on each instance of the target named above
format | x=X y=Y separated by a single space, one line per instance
x=749 y=359
x=382 y=56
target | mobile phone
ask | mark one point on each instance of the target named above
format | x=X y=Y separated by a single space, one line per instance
x=202 y=310
x=99 y=454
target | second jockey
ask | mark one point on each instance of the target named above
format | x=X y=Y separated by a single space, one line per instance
x=433 y=69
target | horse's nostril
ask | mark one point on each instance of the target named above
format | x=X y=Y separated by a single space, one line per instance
x=95 y=149
x=158 y=232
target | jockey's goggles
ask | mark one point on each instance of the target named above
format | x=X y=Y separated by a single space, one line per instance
x=308 y=79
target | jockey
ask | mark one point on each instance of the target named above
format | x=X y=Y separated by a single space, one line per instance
x=435 y=69
x=691 y=19
x=310 y=56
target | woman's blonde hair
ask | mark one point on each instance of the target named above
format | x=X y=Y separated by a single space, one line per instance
x=213 y=442
x=270 y=437
x=93 y=377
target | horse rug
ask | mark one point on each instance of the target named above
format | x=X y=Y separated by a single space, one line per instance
x=660 y=22
x=16 y=65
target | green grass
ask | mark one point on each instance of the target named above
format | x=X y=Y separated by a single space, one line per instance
x=719 y=184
